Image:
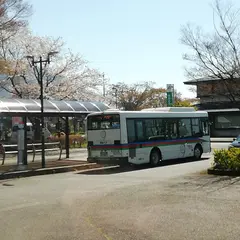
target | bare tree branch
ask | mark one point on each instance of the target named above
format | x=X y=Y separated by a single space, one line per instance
x=216 y=55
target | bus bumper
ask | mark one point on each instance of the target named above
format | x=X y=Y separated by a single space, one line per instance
x=115 y=160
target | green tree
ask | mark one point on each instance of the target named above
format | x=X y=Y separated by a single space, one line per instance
x=136 y=96
x=185 y=103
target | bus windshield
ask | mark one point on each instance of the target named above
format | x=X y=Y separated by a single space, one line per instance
x=100 y=122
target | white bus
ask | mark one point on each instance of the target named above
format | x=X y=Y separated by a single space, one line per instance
x=147 y=136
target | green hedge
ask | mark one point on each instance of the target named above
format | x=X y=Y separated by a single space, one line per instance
x=227 y=159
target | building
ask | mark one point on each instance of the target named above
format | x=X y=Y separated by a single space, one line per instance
x=221 y=98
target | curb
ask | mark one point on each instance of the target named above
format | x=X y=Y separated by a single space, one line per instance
x=220 y=172
x=45 y=171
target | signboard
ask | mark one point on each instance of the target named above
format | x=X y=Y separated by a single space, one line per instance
x=17 y=120
x=170 y=87
x=170 y=95
x=169 y=99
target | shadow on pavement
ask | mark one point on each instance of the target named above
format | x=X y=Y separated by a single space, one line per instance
x=110 y=169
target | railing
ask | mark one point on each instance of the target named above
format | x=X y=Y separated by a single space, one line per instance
x=31 y=148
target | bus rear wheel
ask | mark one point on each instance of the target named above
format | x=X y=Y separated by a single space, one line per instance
x=198 y=152
x=155 y=158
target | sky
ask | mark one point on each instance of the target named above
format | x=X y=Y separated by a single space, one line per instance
x=129 y=40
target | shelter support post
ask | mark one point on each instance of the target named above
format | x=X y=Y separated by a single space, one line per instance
x=67 y=145
x=25 y=153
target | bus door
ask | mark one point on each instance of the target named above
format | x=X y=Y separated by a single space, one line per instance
x=141 y=151
x=135 y=132
x=185 y=133
x=172 y=149
x=205 y=135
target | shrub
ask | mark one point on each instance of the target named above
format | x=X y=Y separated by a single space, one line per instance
x=74 y=140
x=227 y=159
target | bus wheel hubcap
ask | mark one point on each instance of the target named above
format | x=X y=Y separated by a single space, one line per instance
x=155 y=158
x=197 y=152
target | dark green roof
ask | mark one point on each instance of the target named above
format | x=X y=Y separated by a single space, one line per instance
x=195 y=81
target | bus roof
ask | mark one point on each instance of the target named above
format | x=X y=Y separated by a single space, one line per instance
x=170 y=109
x=147 y=113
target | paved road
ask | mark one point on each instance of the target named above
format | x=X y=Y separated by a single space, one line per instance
x=175 y=201
x=219 y=145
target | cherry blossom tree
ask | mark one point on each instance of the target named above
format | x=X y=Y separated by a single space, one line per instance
x=14 y=14
x=66 y=77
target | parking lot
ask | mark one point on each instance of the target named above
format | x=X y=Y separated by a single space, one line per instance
x=174 y=201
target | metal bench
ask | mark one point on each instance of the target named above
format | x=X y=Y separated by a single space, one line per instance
x=31 y=148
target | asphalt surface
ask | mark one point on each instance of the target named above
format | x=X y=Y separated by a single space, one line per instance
x=219 y=145
x=174 y=201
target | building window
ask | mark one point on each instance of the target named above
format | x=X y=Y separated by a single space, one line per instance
x=227 y=121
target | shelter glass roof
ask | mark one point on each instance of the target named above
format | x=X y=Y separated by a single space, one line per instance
x=50 y=106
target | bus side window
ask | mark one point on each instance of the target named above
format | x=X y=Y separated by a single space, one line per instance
x=131 y=130
x=150 y=131
x=172 y=131
x=205 y=127
x=140 y=130
x=196 y=128
x=154 y=129
x=185 y=128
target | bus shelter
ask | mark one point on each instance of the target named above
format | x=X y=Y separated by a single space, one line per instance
x=29 y=108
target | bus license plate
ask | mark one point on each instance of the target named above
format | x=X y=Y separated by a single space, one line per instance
x=103 y=153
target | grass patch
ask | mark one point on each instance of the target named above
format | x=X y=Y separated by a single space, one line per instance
x=75 y=140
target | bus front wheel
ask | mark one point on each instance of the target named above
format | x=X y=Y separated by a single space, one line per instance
x=155 y=157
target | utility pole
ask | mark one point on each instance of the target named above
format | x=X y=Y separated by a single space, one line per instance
x=40 y=80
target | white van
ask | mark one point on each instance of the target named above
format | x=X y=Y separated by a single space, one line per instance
x=30 y=133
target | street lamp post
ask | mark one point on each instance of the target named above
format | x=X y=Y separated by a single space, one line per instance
x=33 y=63
x=103 y=79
